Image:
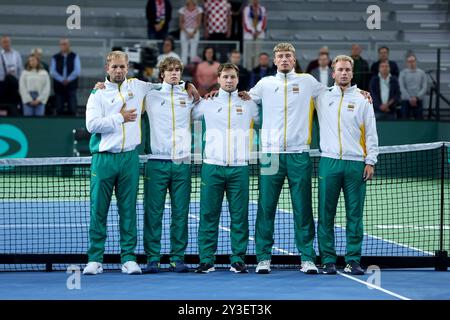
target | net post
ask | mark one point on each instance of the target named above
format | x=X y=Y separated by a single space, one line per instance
x=441 y=255
x=441 y=261
x=441 y=220
x=48 y=267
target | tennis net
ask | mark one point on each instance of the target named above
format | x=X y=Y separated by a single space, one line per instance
x=44 y=213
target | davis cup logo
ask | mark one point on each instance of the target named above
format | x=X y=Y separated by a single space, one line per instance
x=13 y=142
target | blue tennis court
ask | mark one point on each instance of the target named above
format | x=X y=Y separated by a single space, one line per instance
x=67 y=231
x=56 y=234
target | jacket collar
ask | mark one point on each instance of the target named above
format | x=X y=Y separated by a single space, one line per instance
x=224 y=94
x=109 y=84
x=290 y=75
x=337 y=90
x=166 y=87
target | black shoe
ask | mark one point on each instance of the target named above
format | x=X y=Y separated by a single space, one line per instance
x=329 y=268
x=238 y=267
x=152 y=267
x=205 y=268
x=178 y=266
x=354 y=268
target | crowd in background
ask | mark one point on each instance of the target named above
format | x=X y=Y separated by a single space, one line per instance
x=27 y=89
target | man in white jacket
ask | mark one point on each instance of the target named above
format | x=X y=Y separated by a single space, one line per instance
x=113 y=119
x=229 y=123
x=349 y=150
x=169 y=115
x=287 y=115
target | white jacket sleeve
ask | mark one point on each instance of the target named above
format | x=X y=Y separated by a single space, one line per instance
x=255 y=113
x=317 y=87
x=371 y=134
x=147 y=86
x=197 y=110
x=96 y=122
x=256 y=92
x=23 y=89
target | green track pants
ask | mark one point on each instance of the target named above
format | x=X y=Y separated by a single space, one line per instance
x=160 y=176
x=119 y=171
x=334 y=176
x=297 y=167
x=215 y=181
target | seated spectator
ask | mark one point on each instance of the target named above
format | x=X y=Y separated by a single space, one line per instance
x=254 y=21
x=37 y=52
x=206 y=72
x=263 y=69
x=323 y=73
x=315 y=63
x=168 y=50
x=65 y=69
x=383 y=55
x=190 y=23
x=413 y=86
x=361 y=73
x=34 y=87
x=158 y=14
x=10 y=70
x=244 y=75
x=385 y=91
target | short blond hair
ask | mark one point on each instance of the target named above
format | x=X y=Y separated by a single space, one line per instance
x=342 y=57
x=284 y=46
x=116 y=55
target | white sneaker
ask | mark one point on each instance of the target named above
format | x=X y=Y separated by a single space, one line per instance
x=93 y=268
x=263 y=267
x=131 y=267
x=309 y=267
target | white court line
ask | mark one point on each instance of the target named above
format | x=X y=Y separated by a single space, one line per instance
x=366 y=234
x=341 y=274
x=415 y=227
x=250 y=238
x=374 y=286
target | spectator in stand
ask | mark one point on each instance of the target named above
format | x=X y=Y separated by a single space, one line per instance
x=315 y=63
x=11 y=67
x=37 y=52
x=361 y=73
x=263 y=69
x=65 y=70
x=190 y=23
x=218 y=25
x=383 y=55
x=206 y=72
x=217 y=19
x=159 y=14
x=34 y=87
x=413 y=86
x=385 y=91
x=237 y=7
x=244 y=75
x=168 y=50
x=323 y=73
x=254 y=21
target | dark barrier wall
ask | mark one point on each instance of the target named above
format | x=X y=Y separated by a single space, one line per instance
x=53 y=137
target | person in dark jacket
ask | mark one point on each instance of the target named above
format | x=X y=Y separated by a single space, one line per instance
x=385 y=91
x=65 y=69
x=159 y=14
x=383 y=56
x=263 y=69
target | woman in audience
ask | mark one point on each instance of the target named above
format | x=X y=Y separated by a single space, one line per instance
x=34 y=87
